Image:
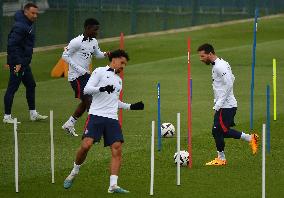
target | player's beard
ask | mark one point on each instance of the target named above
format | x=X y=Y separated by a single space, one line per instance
x=207 y=62
x=117 y=71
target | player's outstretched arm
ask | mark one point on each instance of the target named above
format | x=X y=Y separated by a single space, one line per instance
x=98 y=53
x=137 y=106
x=107 y=54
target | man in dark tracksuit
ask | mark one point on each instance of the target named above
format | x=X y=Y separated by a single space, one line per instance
x=20 y=49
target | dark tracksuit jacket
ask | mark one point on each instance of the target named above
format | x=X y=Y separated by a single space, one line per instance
x=20 y=45
x=21 y=41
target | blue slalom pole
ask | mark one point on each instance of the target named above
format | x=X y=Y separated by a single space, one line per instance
x=159 y=117
x=268 y=118
x=252 y=69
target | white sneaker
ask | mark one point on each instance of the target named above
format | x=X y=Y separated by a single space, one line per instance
x=70 y=129
x=37 y=117
x=9 y=120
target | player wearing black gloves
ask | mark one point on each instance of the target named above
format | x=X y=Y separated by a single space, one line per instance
x=105 y=85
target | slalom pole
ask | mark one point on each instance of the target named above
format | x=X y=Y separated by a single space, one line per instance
x=263 y=160
x=268 y=118
x=121 y=46
x=191 y=90
x=274 y=89
x=16 y=156
x=252 y=69
x=189 y=147
x=152 y=159
x=178 y=149
x=51 y=147
x=159 y=116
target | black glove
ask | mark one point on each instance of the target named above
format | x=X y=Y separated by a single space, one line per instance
x=137 y=106
x=109 y=89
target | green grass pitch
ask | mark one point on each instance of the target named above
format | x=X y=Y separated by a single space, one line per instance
x=155 y=59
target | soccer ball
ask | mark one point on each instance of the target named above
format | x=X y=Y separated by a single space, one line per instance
x=167 y=130
x=184 y=158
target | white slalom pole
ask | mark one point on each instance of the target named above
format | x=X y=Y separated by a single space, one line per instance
x=263 y=160
x=152 y=159
x=51 y=147
x=16 y=156
x=178 y=149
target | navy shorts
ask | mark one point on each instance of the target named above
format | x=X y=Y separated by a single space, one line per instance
x=96 y=126
x=79 y=84
x=224 y=118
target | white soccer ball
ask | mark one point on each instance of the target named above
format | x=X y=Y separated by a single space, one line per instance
x=167 y=130
x=184 y=158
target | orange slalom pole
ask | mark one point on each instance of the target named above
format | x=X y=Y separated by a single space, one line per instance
x=121 y=46
x=189 y=147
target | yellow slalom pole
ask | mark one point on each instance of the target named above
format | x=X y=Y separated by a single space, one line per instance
x=274 y=88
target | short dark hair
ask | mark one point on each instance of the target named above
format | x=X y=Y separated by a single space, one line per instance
x=30 y=5
x=207 y=48
x=117 y=54
x=90 y=22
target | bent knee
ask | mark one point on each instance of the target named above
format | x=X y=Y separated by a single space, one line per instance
x=116 y=149
x=86 y=145
x=116 y=146
x=216 y=131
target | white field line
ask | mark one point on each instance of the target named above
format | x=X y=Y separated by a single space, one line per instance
x=182 y=57
x=193 y=55
x=171 y=31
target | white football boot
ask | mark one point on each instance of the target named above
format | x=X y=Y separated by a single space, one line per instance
x=36 y=117
x=9 y=120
